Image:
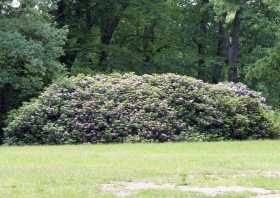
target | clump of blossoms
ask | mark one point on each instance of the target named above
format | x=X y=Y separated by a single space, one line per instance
x=241 y=89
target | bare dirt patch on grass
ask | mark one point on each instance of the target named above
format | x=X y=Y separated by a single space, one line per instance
x=128 y=188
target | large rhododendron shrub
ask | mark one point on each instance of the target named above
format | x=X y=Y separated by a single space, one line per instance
x=131 y=108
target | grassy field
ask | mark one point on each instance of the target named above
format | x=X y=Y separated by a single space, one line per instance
x=81 y=171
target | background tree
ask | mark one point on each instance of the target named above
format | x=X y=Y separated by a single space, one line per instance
x=214 y=40
x=30 y=48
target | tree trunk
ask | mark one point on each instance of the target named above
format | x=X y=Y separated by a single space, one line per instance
x=221 y=52
x=69 y=57
x=5 y=95
x=233 y=48
x=148 y=40
x=106 y=37
x=2 y=111
x=62 y=14
x=201 y=62
x=201 y=43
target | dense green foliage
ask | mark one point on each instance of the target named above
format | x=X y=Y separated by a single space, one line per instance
x=213 y=40
x=121 y=108
x=265 y=76
x=30 y=48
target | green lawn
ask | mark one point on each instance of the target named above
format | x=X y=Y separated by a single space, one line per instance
x=80 y=171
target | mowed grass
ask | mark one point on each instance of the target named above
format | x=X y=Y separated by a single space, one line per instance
x=80 y=171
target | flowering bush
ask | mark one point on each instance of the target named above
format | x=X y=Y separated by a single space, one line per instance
x=131 y=108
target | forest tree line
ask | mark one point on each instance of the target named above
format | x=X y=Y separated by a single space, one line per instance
x=212 y=40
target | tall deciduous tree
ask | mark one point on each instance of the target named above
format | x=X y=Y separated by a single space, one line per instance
x=30 y=46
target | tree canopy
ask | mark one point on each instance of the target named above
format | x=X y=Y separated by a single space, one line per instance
x=30 y=49
x=212 y=40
